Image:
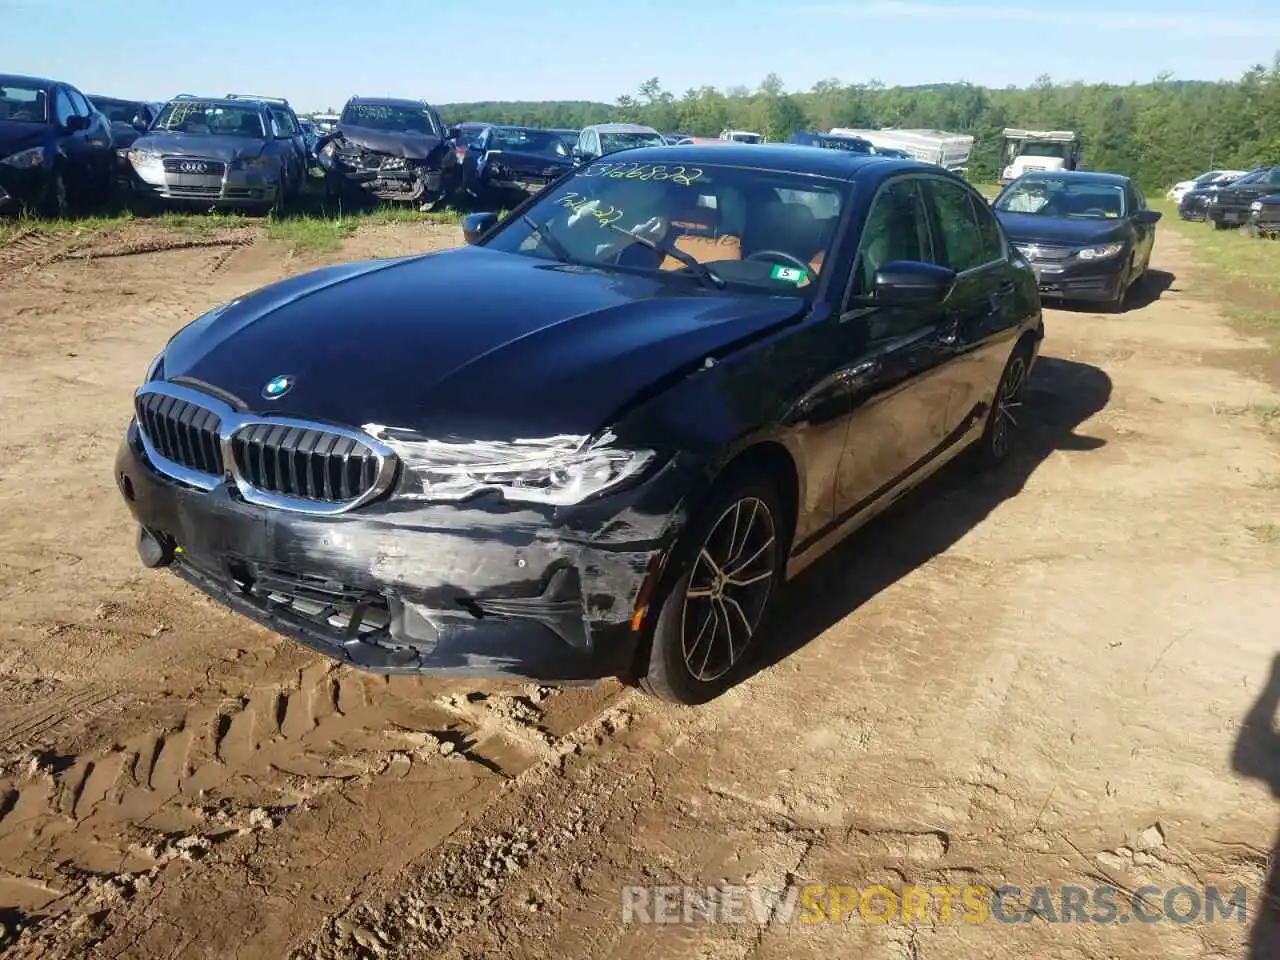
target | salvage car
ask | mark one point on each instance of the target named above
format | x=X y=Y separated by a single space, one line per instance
x=466 y=135
x=599 y=139
x=596 y=441
x=55 y=148
x=1229 y=206
x=1087 y=236
x=129 y=119
x=507 y=164
x=1208 y=179
x=1264 y=217
x=391 y=149
x=216 y=153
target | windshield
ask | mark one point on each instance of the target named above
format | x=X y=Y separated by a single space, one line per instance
x=1071 y=199
x=117 y=111
x=23 y=103
x=1036 y=148
x=524 y=140
x=210 y=119
x=389 y=118
x=469 y=134
x=613 y=142
x=765 y=231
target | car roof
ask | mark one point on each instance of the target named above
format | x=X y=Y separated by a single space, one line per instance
x=17 y=78
x=620 y=128
x=1077 y=176
x=105 y=98
x=389 y=102
x=782 y=157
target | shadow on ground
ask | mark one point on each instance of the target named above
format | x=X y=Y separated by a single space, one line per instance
x=1142 y=294
x=1257 y=756
x=1060 y=396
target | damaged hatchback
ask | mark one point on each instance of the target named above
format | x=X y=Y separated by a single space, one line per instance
x=388 y=149
x=596 y=441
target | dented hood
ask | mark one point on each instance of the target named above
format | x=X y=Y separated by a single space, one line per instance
x=411 y=146
x=468 y=342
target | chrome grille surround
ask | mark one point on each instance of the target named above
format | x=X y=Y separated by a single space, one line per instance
x=232 y=425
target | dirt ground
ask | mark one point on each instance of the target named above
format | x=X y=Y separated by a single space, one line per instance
x=1004 y=681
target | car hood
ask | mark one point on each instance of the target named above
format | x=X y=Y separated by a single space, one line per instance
x=15 y=136
x=1029 y=227
x=468 y=342
x=532 y=163
x=124 y=135
x=411 y=146
x=1245 y=191
x=200 y=145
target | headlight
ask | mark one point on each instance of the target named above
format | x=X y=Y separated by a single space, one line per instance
x=155 y=369
x=253 y=163
x=559 y=471
x=144 y=158
x=329 y=149
x=1100 y=252
x=1256 y=206
x=32 y=157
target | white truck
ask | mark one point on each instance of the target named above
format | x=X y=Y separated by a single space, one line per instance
x=943 y=149
x=741 y=136
x=1025 y=151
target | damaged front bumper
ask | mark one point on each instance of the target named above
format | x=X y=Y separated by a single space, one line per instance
x=407 y=182
x=396 y=587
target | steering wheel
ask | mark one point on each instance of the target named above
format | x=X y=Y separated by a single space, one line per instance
x=779 y=255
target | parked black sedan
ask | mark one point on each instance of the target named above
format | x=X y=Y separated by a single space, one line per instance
x=1230 y=206
x=595 y=442
x=1088 y=236
x=55 y=148
x=507 y=164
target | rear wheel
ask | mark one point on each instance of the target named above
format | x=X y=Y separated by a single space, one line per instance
x=1006 y=409
x=721 y=579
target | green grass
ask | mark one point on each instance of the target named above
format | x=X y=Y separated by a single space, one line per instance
x=1265 y=532
x=1243 y=272
x=306 y=226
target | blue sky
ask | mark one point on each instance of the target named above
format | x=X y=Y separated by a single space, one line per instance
x=318 y=52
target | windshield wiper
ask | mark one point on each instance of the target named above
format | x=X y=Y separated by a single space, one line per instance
x=703 y=272
x=543 y=232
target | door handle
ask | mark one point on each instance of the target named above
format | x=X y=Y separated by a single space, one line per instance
x=1007 y=289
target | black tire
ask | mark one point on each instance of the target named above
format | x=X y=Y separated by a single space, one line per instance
x=714 y=662
x=1220 y=226
x=1006 y=407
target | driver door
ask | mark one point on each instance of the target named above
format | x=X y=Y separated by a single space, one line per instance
x=900 y=387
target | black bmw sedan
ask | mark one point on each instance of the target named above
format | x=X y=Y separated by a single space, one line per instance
x=597 y=440
x=1088 y=236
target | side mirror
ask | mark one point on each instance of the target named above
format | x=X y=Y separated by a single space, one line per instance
x=908 y=282
x=76 y=122
x=476 y=225
x=451 y=133
x=577 y=154
x=140 y=123
x=1148 y=217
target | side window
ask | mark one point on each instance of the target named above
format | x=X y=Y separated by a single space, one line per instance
x=277 y=128
x=988 y=231
x=896 y=229
x=960 y=244
x=79 y=104
x=63 y=110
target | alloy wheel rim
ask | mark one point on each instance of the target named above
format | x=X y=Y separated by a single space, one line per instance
x=1008 y=400
x=729 y=586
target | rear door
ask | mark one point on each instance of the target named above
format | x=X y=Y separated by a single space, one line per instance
x=989 y=302
x=899 y=380
x=1144 y=234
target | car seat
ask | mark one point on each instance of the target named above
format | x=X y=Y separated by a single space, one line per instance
x=696 y=232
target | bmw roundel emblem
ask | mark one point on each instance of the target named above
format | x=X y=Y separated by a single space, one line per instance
x=277 y=387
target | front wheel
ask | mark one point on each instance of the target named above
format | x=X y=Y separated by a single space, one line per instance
x=723 y=576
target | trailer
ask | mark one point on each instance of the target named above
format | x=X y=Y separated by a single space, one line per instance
x=1025 y=151
x=939 y=147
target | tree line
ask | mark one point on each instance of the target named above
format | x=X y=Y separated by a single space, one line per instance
x=1157 y=132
